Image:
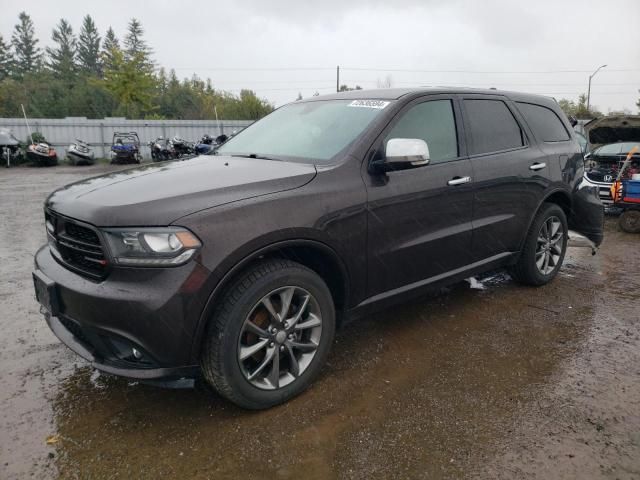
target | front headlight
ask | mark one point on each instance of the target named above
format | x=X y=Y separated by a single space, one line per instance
x=151 y=247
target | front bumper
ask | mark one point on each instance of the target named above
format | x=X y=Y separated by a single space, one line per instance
x=138 y=323
x=86 y=351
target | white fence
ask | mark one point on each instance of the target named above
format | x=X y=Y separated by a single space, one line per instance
x=99 y=133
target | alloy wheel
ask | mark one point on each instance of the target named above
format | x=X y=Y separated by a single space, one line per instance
x=549 y=245
x=279 y=338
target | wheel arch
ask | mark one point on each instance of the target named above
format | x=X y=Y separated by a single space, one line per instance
x=314 y=254
x=560 y=197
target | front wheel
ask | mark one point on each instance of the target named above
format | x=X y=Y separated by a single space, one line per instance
x=544 y=248
x=270 y=336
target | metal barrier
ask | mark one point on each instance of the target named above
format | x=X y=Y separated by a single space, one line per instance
x=98 y=133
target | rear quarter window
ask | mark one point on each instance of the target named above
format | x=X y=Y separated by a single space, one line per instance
x=545 y=123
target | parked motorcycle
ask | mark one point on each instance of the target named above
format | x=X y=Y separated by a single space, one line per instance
x=161 y=150
x=79 y=153
x=206 y=145
x=181 y=147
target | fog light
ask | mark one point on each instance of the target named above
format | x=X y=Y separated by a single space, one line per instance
x=136 y=353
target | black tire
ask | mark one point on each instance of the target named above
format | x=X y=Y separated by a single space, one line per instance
x=525 y=271
x=219 y=360
x=629 y=221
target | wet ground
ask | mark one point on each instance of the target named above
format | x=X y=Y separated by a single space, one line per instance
x=506 y=382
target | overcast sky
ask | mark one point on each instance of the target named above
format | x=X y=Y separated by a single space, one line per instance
x=282 y=47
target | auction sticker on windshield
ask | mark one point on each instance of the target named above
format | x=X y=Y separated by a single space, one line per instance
x=379 y=104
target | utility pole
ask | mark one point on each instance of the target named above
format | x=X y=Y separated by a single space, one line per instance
x=589 y=89
x=338 y=78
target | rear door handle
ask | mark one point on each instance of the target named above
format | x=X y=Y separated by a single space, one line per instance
x=458 y=181
x=537 y=166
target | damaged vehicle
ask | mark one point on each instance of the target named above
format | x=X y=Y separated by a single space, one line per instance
x=626 y=192
x=240 y=270
x=610 y=141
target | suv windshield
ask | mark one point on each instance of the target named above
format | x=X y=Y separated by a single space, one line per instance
x=308 y=131
x=615 y=149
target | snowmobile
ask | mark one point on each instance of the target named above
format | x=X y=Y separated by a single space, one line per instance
x=79 y=153
x=42 y=154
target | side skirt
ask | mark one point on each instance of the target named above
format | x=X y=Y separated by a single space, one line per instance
x=416 y=289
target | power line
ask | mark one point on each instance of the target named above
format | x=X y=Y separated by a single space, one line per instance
x=288 y=89
x=300 y=88
x=253 y=82
x=253 y=69
x=408 y=70
x=425 y=81
x=493 y=84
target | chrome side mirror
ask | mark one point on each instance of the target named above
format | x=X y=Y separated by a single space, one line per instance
x=406 y=153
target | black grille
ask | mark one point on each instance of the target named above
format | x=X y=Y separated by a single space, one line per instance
x=82 y=233
x=78 y=246
x=607 y=175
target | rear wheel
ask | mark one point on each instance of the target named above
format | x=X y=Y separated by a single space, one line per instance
x=270 y=336
x=630 y=221
x=544 y=247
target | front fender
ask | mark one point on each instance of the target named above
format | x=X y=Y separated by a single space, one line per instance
x=242 y=257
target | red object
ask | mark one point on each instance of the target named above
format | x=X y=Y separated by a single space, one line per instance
x=631 y=199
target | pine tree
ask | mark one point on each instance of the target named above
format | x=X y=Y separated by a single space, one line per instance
x=62 y=58
x=89 y=47
x=131 y=85
x=135 y=46
x=109 y=46
x=162 y=80
x=28 y=56
x=6 y=59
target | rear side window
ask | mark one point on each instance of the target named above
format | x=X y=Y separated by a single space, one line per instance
x=493 y=127
x=544 y=122
x=432 y=122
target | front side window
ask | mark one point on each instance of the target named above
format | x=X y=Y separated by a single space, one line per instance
x=432 y=122
x=544 y=122
x=313 y=132
x=493 y=126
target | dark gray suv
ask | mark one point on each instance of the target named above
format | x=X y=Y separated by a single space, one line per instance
x=239 y=266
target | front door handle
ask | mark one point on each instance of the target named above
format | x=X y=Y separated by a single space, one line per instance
x=537 y=166
x=458 y=181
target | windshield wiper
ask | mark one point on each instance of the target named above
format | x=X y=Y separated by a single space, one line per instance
x=255 y=155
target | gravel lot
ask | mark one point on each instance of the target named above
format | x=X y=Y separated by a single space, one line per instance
x=506 y=382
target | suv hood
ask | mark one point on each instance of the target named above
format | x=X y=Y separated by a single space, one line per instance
x=618 y=128
x=160 y=193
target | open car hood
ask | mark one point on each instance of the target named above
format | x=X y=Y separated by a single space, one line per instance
x=614 y=129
